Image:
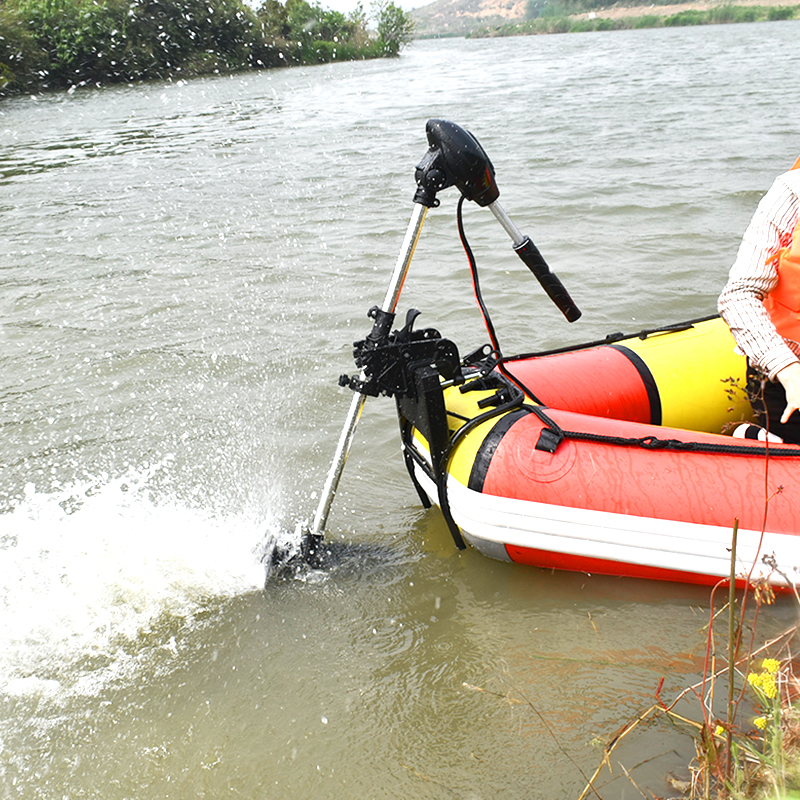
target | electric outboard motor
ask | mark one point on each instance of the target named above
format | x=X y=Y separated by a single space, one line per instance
x=454 y=158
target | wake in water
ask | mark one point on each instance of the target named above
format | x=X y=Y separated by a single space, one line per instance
x=92 y=570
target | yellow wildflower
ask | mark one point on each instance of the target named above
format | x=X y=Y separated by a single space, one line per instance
x=771 y=665
x=760 y=723
x=719 y=731
x=765 y=682
x=769 y=685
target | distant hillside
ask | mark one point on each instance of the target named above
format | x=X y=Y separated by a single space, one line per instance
x=457 y=17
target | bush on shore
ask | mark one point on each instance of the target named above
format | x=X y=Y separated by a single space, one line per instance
x=52 y=44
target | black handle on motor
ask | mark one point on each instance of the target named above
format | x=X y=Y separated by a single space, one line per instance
x=533 y=260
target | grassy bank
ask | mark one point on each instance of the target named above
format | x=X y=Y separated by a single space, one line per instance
x=561 y=18
x=55 y=44
x=744 y=713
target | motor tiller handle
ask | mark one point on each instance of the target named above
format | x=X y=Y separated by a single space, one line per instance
x=455 y=156
x=534 y=261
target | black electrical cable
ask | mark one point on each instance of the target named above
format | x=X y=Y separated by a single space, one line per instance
x=487 y=320
x=476 y=284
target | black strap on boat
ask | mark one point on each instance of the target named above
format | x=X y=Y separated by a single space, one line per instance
x=438 y=470
x=647 y=379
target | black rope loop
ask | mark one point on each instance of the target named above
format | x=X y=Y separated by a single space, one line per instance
x=654 y=443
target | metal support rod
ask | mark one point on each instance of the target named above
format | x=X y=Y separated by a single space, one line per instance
x=404 y=258
x=356 y=406
x=510 y=228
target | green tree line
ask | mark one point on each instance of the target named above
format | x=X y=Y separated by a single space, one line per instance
x=52 y=44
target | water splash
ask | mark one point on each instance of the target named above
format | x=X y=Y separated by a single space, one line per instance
x=92 y=571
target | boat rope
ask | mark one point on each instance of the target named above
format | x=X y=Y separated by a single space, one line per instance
x=654 y=443
x=553 y=434
x=615 y=338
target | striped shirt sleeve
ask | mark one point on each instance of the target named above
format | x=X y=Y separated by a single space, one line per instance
x=751 y=278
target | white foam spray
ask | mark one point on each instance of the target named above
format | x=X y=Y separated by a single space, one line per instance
x=86 y=570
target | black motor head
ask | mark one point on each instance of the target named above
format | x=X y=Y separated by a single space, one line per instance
x=454 y=158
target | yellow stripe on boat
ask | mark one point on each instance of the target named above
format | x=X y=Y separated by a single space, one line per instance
x=701 y=380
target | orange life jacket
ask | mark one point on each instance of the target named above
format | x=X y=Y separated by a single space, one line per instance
x=783 y=302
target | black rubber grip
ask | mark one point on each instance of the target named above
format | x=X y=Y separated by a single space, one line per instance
x=532 y=258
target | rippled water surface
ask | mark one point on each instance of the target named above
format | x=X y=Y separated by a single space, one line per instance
x=183 y=268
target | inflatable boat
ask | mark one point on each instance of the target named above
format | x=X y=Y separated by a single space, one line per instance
x=613 y=457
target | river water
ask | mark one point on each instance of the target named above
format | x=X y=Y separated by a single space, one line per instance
x=183 y=267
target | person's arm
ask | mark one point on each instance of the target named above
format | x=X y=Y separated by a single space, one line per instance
x=753 y=277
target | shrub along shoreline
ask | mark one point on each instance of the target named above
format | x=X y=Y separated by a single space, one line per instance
x=59 y=44
x=563 y=17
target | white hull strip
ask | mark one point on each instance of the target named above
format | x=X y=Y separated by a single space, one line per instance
x=488 y=523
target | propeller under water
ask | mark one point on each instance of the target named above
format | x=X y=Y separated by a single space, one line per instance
x=289 y=555
x=454 y=158
x=299 y=556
